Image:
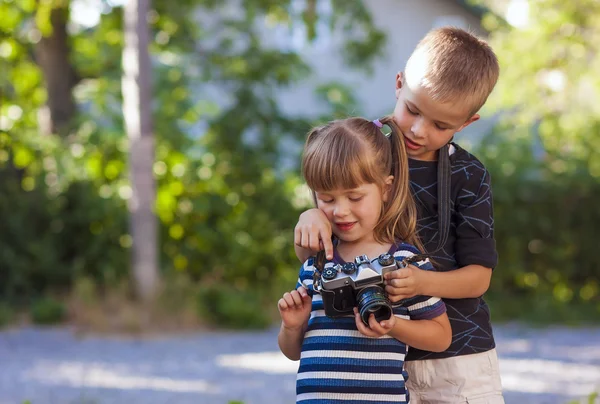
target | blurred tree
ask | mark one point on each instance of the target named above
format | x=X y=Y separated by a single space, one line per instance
x=545 y=153
x=137 y=112
x=225 y=199
x=554 y=55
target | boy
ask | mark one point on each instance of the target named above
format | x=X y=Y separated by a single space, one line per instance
x=447 y=79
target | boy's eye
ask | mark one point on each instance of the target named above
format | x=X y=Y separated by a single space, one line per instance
x=410 y=111
x=440 y=127
x=326 y=200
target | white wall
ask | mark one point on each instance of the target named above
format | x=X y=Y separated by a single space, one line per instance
x=405 y=23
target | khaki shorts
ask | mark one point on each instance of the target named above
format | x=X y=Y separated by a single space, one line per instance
x=473 y=379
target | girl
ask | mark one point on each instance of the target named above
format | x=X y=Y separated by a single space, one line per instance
x=359 y=179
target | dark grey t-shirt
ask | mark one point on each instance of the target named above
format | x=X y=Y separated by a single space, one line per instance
x=470 y=241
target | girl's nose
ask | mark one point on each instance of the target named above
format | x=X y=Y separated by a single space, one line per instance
x=341 y=209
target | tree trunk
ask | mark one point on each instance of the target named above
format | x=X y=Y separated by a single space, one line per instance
x=136 y=87
x=52 y=55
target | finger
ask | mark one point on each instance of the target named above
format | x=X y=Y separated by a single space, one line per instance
x=282 y=304
x=375 y=326
x=297 y=236
x=296 y=298
x=327 y=245
x=289 y=299
x=314 y=240
x=304 y=295
x=305 y=240
x=392 y=290
x=361 y=327
x=387 y=325
x=397 y=298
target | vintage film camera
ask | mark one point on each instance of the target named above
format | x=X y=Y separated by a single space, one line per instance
x=358 y=284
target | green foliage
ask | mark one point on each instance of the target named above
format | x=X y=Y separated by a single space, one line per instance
x=544 y=161
x=229 y=307
x=546 y=232
x=47 y=311
x=591 y=399
x=6 y=315
x=226 y=199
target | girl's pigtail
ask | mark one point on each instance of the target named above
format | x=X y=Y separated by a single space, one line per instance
x=400 y=201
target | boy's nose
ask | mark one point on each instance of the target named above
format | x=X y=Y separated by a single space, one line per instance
x=418 y=127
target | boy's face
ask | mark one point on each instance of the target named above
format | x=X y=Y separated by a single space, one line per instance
x=427 y=124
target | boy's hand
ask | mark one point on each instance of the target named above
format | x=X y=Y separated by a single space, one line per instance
x=294 y=308
x=374 y=329
x=403 y=283
x=313 y=232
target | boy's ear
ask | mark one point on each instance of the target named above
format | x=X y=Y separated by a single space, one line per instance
x=469 y=121
x=399 y=83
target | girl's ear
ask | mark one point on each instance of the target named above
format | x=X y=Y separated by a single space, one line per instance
x=387 y=186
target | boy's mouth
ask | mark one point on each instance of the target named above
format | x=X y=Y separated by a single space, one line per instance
x=346 y=226
x=410 y=144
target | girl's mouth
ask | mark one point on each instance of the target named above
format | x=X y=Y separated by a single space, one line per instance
x=345 y=226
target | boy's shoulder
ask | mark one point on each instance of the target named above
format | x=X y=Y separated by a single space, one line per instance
x=460 y=157
x=467 y=170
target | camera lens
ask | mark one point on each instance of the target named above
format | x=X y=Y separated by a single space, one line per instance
x=373 y=300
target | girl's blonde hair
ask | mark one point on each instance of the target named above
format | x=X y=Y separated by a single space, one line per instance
x=346 y=153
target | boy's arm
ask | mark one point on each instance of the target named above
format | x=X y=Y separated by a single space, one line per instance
x=303 y=253
x=475 y=246
x=312 y=234
x=469 y=281
x=433 y=335
x=475 y=249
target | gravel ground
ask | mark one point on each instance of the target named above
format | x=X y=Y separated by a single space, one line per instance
x=52 y=366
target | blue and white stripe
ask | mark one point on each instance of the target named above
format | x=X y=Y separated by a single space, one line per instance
x=338 y=363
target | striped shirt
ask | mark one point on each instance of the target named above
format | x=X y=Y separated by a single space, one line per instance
x=339 y=364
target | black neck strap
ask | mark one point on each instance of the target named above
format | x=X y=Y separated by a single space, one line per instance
x=443 y=188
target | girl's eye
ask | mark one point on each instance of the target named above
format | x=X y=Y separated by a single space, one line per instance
x=327 y=200
x=357 y=199
x=440 y=127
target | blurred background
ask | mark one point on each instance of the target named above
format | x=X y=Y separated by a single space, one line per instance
x=149 y=185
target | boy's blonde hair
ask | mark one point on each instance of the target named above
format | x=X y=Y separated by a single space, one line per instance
x=454 y=65
x=346 y=153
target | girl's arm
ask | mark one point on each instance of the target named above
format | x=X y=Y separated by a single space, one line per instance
x=294 y=308
x=290 y=341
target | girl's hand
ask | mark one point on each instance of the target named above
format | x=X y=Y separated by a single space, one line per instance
x=374 y=329
x=294 y=308
x=313 y=232
x=403 y=283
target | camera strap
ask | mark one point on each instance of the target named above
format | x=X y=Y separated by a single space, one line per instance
x=444 y=176
x=319 y=264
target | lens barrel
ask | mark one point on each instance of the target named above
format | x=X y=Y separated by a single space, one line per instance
x=373 y=300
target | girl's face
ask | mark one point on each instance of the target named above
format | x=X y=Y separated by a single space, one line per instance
x=353 y=213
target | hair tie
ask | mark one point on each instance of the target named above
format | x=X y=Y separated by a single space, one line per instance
x=378 y=123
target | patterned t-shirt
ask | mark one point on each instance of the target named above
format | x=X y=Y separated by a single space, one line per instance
x=340 y=363
x=470 y=241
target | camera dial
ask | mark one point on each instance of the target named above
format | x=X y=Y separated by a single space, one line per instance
x=386 y=259
x=329 y=273
x=349 y=268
